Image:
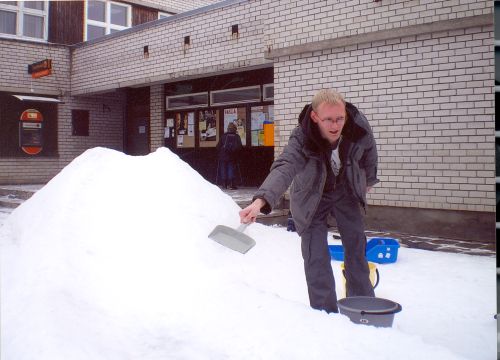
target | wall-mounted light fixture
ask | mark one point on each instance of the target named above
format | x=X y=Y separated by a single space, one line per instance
x=234 y=31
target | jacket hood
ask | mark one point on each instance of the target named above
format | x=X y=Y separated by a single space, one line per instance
x=352 y=130
x=313 y=139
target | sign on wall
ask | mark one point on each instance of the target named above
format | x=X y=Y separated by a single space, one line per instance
x=31 y=131
x=40 y=69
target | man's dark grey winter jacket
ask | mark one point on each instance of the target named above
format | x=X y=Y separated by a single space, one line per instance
x=304 y=161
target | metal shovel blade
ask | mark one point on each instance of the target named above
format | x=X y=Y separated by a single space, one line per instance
x=232 y=239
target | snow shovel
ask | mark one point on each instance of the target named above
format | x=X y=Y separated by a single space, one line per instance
x=233 y=239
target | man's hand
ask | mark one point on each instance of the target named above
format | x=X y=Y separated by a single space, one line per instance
x=249 y=214
x=368 y=188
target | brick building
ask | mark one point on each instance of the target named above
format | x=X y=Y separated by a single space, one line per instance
x=422 y=71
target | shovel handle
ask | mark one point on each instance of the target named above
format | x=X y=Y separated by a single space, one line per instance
x=242 y=227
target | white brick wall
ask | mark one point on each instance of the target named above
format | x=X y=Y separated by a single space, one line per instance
x=119 y=61
x=106 y=111
x=15 y=56
x=429 y=98
x=157 y=104
x=106 y=119
x=430 y=102
x=179 y=5
x=306 y=21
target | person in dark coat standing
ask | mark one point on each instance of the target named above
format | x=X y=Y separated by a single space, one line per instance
x=228 y=149
x=331 y=163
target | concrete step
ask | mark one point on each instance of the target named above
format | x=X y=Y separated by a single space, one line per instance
x=11 y=196
x=275 y=213
x=275 y=217
x=243 y=203
x=243 y=197
x=18 y=193
x=10 y=202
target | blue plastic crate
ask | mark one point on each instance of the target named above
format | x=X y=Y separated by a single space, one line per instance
x=336 y=252
x=382 y=250
x=378 y=250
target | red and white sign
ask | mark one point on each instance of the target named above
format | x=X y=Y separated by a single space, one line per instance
x=31 y=131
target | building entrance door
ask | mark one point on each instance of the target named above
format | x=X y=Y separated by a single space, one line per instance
x=137 y=137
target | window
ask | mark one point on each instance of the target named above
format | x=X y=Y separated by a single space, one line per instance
x=237 y=116
x=162 y=15
x=12 y=136
x=187 y=101
x=106 y=17
x=235 y=96
x=24 y=19
x=80 y=122
x=262 y=125
x=208 y=121
x=268 y=90
x=184 y=128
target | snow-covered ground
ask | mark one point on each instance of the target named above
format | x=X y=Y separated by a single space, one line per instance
x=111 y=260
x=4 y=214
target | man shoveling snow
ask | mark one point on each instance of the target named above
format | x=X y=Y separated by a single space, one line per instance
x=331 y=162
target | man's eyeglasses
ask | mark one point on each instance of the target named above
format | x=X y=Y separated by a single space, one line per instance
x=338 y=121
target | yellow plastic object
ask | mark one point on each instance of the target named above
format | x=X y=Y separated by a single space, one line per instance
x=374 y=275
x=268 y=134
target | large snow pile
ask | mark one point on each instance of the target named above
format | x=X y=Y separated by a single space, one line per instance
x=111 y=260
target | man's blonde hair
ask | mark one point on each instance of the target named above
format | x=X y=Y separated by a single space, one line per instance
x=328 y=96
